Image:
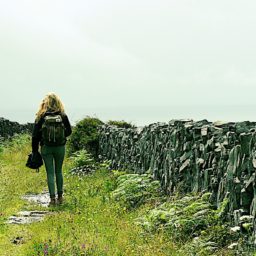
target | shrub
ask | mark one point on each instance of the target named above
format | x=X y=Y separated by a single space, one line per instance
x=16 y=142
x=1 y=144
x=120 y=124
x=183 y=218
x=134 y=189
x=81 y=158
x=214 y=238
x=85 y=135
x=82 y=163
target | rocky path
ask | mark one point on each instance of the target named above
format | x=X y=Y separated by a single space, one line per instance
x=29 y=216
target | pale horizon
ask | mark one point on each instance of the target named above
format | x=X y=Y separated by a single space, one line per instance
x=150 y=114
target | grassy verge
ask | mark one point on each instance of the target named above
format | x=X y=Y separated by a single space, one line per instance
x=89 y=222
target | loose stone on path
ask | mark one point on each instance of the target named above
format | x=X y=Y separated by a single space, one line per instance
x=27 y=217
x=42 y=199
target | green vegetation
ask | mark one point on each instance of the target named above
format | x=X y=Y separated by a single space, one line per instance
x=85 y=135
x=120 y=124
x=83 y=163
x=82 y=158
x=89 y=222
x=134 y=190
x=105 y=213
x=191 y=221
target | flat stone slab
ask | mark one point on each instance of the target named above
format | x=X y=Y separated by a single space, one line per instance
x=43 y=199
x=27 y=217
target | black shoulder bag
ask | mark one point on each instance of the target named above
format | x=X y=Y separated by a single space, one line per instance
x=34 y=161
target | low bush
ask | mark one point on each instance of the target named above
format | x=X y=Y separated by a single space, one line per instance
x=81 y=158
x=193 y=222
x=120 y=124
x=134 y=189
x=16 y=142
x=85 y=135
x=82 y=162
x=211 y=241
x=183 y=218
x=2 y=144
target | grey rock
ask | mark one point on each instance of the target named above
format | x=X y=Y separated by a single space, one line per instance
x=233 y=246
x=42 y=199
x=27 y=217
x=190 y=157
x=246 y=218
x=235 y=229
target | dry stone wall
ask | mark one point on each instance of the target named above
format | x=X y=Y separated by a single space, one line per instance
x=9 y=128
x=188 y=156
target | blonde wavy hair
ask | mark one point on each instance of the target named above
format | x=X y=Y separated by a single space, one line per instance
x=52 y=103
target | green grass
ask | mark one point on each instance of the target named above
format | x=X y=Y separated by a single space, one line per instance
x=88 y=223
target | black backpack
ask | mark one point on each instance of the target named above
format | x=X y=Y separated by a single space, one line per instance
x=53 y=130
x=34 y=161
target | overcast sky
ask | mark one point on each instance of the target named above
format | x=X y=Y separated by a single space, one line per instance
x=139 y=60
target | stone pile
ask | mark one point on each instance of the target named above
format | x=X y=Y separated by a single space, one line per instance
x=9 y=128
x=187 y=156
x=82 y=170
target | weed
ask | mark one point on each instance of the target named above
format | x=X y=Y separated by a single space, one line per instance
x=134 y=189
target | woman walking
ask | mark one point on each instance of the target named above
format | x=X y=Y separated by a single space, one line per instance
x=50 y=130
